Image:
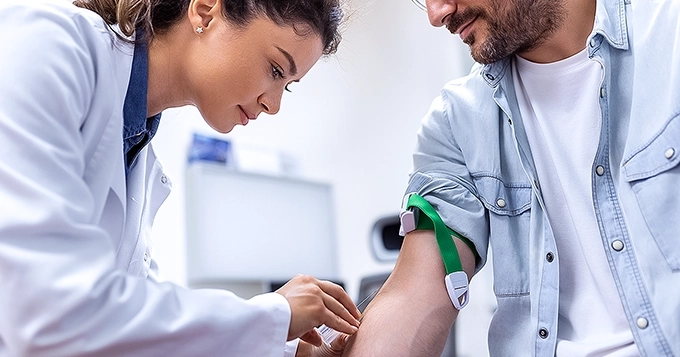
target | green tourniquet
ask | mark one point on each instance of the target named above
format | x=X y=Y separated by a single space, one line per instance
x=426 y=224
x=447 y=247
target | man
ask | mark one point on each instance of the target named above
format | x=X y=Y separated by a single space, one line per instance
x=560 y=152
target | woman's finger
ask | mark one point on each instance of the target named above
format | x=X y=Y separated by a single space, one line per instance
x=338 y=345
x=312 y=337
x=337 y=317
x=339 y=294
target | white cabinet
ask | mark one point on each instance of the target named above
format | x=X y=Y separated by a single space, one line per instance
x=246 y=227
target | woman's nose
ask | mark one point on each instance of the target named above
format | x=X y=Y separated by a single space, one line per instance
x=270 y=104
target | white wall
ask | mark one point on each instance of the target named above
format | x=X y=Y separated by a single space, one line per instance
x=351 y=122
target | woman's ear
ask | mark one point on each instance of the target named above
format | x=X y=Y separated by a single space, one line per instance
x=202 y=13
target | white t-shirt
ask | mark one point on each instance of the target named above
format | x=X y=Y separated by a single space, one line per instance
x=560 y=110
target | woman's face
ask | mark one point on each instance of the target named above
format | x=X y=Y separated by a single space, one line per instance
x=234 y=73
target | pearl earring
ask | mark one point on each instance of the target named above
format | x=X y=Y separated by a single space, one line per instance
x=199 y=29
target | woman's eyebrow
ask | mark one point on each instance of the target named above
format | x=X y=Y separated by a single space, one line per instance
x=291 y=61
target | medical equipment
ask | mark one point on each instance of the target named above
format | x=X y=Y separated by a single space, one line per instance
x=456 y=280
x=328 y=334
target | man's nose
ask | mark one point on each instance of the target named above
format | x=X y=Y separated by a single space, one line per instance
x=438 y=11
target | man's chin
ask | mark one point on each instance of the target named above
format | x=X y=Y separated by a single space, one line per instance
x=486 y=55
x=478 y=52
x=481 y=59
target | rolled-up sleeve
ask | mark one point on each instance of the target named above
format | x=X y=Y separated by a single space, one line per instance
x=442 y=178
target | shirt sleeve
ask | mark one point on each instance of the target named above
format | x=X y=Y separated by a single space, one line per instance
x=61 y=294
x=441 y=177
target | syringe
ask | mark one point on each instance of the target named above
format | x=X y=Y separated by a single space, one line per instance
x=328 y=334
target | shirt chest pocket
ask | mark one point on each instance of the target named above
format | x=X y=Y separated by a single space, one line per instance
x=654 y=175
x=509 y=225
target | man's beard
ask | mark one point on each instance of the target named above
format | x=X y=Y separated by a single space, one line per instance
x=516 y=26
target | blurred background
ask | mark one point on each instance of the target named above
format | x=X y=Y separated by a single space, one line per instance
x=344 y=135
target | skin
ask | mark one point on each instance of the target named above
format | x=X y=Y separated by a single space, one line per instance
x=412 y=313
x=314 y=302
x=541 y=31
x=232 y=74
x=335 y=349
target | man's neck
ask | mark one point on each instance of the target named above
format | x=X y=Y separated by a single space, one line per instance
x=570 y=38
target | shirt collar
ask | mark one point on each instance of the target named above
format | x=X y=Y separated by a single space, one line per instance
x=610 y=22
x=134 y=108
x=138 y=130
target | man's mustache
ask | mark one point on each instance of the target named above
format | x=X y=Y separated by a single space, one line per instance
x=459 y=19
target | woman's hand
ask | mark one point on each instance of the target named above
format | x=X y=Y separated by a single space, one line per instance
x=315 y=302
x=334 y=350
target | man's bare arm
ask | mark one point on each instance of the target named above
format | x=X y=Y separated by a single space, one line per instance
x=412 y=314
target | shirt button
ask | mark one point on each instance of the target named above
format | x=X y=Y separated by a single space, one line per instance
x=669 y=153
x=617 y=245
x=550 y=257
x=543 y=333
x=599 y=170
x=592 y=42
x=603 y=92
x=642 y=322
x=164 y=179
x=146 y=257
x=500 y=202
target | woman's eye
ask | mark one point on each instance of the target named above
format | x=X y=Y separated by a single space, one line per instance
x=276 y=72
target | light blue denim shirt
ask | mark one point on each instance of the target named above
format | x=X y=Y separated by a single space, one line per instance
x=474 y=164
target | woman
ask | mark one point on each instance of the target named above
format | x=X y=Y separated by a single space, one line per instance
x=78 y=199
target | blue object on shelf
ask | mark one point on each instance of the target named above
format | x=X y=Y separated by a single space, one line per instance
x=205 y=148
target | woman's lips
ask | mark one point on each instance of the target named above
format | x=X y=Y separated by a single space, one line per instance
x=245 y=116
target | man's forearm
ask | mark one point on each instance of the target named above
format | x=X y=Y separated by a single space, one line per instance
x=412 y=313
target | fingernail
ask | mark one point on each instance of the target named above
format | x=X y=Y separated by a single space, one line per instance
x=354 y=329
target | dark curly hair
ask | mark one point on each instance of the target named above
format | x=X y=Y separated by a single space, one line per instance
x=156 y=16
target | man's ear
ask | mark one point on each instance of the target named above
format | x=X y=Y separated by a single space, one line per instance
x=202 y=13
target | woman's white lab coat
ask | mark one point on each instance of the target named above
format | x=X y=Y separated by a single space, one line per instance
x=76 y=277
